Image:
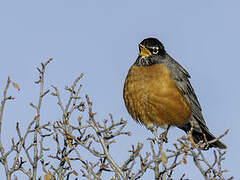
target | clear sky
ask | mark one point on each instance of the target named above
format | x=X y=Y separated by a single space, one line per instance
x=100 y=38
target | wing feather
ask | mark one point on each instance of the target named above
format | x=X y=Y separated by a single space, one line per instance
x=181 y=77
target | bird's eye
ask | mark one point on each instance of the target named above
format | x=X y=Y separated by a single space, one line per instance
x=155 y=50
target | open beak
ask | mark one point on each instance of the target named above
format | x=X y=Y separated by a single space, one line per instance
x=144 y=51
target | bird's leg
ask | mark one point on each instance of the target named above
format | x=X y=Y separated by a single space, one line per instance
x=163 y=136
x=153 y=129
x=150 y=127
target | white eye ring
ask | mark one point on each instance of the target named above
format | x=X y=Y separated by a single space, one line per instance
x=155 y=50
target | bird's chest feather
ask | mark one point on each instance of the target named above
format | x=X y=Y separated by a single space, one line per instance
x=152 y=96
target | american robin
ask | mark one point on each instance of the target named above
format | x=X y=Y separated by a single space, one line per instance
x=157 y=92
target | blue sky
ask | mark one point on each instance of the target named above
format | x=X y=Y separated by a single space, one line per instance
x=100 y=38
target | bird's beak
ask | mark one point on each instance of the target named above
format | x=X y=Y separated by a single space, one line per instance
x=143 y=51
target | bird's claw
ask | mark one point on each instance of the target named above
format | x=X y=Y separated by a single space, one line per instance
x=163 y=136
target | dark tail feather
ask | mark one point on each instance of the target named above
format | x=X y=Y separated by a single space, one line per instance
x=198 y=136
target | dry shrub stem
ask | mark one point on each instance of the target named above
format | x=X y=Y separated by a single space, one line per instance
x=73 y=138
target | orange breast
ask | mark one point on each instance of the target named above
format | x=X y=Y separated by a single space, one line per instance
x=152 y=97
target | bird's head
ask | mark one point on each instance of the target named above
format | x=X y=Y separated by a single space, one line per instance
x=150 y=51
x=151 y=46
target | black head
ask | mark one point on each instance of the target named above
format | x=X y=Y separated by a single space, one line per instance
x=151 y=51
x=151 y=46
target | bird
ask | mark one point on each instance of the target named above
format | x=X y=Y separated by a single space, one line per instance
x=157 y=93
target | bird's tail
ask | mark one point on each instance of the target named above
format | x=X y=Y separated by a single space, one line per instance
x=199 y=136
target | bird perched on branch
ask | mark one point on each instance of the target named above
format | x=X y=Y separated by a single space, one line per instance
x=157 y=92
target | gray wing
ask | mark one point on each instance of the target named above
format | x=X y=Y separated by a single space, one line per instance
x=181 y=77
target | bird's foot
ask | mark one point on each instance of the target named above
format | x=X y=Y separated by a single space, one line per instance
x=163 y=136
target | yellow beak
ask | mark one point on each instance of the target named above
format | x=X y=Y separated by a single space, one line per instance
x=144 y=51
